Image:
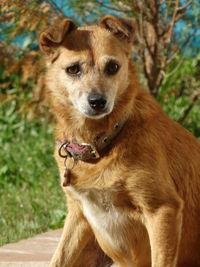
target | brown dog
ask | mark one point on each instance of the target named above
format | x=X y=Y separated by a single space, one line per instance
x=134 y=183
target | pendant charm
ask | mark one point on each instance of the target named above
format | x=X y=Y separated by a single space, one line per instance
x=66 y=177
x=67 y=174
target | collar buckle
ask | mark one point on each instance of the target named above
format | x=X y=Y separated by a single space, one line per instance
x=91 y=152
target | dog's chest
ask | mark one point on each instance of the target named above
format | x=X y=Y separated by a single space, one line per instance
x=105 y=217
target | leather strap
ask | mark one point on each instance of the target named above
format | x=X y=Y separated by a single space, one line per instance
x=86 y=152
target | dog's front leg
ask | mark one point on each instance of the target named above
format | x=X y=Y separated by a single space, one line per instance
x=76 y=234
x=162 y=213
x=164 y=229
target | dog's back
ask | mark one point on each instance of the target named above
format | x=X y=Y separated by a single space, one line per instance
x=182 y=154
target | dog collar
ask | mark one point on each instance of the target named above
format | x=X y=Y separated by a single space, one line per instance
x=85 y=152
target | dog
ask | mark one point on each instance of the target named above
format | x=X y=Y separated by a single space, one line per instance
x=131 y=175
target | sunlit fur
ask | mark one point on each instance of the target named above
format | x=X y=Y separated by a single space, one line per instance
x=74 y=90
x=140 y=200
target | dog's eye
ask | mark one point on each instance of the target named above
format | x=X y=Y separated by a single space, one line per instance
x=111 y=68
x=74 y=69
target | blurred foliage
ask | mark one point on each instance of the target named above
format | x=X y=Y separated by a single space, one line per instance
x=179 y=93
x=30 y=197
x=165 y=29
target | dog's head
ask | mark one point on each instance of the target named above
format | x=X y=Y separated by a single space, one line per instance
x=88 y=66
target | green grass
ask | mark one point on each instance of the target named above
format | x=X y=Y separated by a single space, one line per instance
x=31 y=200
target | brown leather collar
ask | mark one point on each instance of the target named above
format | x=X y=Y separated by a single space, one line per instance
x=87 y=152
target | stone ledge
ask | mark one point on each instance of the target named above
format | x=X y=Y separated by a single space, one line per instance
x=36 y=251
x=24 y=264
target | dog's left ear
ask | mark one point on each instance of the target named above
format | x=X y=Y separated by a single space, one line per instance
x=51 y=38
x=122 y=28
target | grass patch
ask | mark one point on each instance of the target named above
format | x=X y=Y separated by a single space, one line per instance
x=31 y=200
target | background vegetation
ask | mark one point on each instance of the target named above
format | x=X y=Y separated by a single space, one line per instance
x=166 y=51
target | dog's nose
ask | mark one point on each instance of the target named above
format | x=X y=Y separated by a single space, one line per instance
x=97 y=101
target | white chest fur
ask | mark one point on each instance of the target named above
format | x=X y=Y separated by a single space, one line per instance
x=104 y=217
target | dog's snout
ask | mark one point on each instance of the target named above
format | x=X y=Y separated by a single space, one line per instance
x=97 y=101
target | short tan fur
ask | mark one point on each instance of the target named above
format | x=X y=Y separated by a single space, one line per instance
x=141 y=200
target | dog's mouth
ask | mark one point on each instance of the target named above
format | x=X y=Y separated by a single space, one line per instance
x=97 y=114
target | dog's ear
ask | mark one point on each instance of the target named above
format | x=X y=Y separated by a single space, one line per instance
x=122 y=28
x=54 y=35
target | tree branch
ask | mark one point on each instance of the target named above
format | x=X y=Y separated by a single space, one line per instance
x=185 y=6
x=113 y=8
x=173 y=20
x=56 y=8
x=194 y=99
x=184 y=46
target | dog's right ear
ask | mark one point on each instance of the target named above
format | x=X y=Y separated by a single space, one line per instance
x=50 y=39
x=121 y=28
